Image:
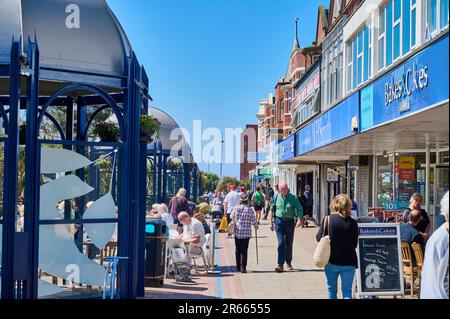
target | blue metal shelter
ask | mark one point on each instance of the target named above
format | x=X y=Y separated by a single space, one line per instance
x=71 y=57
x=171 y=163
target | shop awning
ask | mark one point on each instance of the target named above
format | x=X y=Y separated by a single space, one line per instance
x=415 y=132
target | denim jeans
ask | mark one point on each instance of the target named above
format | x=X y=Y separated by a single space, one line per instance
x=285 y=235
x=347 y=273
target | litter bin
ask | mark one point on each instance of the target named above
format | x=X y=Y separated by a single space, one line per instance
x=155 y=252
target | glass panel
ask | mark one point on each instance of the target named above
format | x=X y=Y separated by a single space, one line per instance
x=389 y=33
x=382 y=21
x=381 y=54
x=397 y=9
x=431 y=15
x=397 y=41
x=355 y=53
x=366 y=54
x=413 y=27
x=360 y=69
x=385 y=180
x=406 y=26
x=69 y=253
x=69 y=268
x=444 y=14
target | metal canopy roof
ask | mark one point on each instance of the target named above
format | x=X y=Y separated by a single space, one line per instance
x=175 y=144
x=99 y=45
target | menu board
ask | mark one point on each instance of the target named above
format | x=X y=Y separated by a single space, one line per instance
x=379 y=260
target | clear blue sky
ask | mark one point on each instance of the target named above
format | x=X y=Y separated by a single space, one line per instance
x=214 y=60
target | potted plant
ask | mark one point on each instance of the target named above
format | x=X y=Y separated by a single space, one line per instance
x=150 y=127
x=107 y=131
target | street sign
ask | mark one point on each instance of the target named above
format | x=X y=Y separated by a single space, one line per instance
x=380 y=270
x=332 y=176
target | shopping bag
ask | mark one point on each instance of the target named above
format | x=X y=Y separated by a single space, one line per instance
x=230 y=228
x=323 y=250
x=223 y=224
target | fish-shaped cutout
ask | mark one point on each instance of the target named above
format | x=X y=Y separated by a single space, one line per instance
x=63 y=188
x=57 y=160
x=103 y=208
x=46 y=289
x=60 y=257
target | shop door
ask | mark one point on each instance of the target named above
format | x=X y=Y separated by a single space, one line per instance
x=440 y=188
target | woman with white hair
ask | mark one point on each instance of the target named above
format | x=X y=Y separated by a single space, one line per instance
x=435 y=266
x=163 y=212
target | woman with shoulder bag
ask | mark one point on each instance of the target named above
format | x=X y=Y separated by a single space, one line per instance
x=342 y=230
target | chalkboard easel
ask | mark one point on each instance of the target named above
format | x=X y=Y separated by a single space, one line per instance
x=380 y=271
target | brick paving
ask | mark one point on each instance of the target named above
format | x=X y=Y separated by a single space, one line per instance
x=261 y=282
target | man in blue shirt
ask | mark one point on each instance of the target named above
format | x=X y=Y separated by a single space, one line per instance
x=408 y=231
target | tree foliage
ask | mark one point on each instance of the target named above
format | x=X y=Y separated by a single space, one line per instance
x=209 y=181
x=226 y=181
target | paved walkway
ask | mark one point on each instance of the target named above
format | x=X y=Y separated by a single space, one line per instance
x=305 y=282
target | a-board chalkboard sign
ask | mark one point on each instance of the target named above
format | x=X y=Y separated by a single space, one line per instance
x=379 y=260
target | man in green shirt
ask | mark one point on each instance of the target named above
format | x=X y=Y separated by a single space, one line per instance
x=286 y=210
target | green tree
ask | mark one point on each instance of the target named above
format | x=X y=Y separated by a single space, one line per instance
x=209 y=181
x=246 y=183
x=226 y=181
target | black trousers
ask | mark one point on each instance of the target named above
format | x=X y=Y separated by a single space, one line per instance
x=241 y=252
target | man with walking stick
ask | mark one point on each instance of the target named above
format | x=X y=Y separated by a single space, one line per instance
x=287 y=214
x=244 y=218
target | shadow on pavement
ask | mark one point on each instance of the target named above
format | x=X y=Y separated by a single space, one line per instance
x=181 y=287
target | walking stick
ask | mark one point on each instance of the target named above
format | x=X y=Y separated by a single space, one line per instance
x=256 y=238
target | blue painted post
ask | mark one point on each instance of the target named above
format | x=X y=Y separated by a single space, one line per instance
x=187 y=175
x=141 y=217
x=136 y=228
x=69 y=136
x=164 y=193
x=81 y=124
x=32 y=171
x=155 y=168
x=160 y=170
x=195 y=185
x=10 y=187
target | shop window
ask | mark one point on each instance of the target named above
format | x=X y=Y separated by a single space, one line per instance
x=361 y=53
x=397 y=30
x=381 y=38
x=437 y=17
x=385 y=180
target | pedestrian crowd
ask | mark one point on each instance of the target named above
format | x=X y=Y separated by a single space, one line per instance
x=240 y=211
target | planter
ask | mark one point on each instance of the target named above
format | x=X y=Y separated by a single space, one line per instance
x=107 y=132
x=146 y=138
x=150 y=128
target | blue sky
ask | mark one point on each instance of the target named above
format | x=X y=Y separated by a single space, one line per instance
x=213 y=60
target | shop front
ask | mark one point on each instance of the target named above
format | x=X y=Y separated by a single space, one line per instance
x=409 y=105
x=329 y=173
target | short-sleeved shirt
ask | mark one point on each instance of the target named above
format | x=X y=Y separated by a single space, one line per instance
x=244 y=217
x=285 y=207
x=232 y=199
x=423 y=223
x=258 y=198
x=194 y=229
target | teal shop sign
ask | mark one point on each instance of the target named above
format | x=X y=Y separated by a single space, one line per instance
x=367 y=108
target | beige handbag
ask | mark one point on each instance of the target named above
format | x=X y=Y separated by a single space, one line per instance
x=323 y=250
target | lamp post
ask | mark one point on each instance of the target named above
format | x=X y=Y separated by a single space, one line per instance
x=221 y=157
